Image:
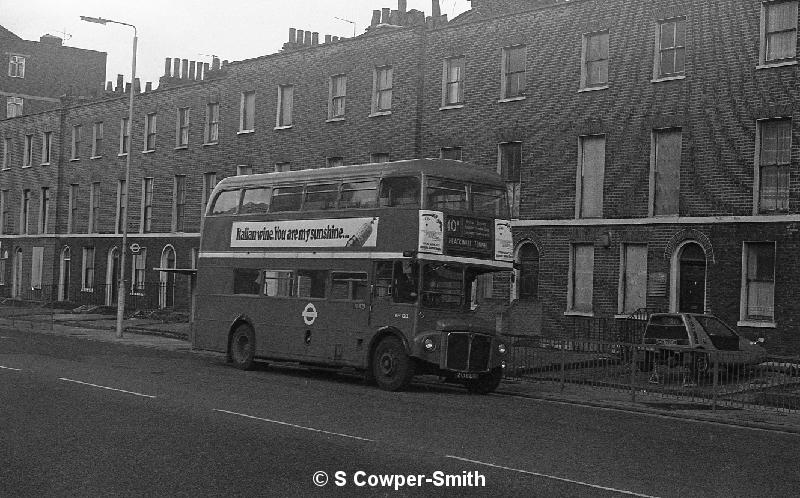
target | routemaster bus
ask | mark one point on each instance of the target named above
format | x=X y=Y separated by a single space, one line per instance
x=372 y=267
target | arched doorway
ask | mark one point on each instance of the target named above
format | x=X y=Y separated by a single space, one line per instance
x=689 y=278
x=16 y=278
x=526 y=275
x=64 y=275
x=112 y=276
x=166 y=296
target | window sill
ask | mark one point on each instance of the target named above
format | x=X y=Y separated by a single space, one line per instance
x=74 y=159
x=451 y=106
x=148 y=151
x=769 y=65
x=335 y=120
x=756 y=324
x=593 y=88
x=511 y=99
x=579 y=313
x=45 y=164
x=26 y=166
x=96 y=157
x=380 y=113
x=287 y=127
x=668 y=78
x=87 y=290
x=245 y=132
x=207 y=144
x=182 y=147
x=122 y=154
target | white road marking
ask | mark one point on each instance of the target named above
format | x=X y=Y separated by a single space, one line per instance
x=107 y=388
x=563 y=479
x=294 y=425
x=9 y=368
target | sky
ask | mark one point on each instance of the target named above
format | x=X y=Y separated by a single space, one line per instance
x=195 y=30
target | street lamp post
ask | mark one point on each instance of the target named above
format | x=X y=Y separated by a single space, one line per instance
x=124 y=249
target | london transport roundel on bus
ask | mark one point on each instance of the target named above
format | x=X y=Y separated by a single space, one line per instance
x=309 y=314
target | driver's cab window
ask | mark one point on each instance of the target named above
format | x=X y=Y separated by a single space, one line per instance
x=398 y=279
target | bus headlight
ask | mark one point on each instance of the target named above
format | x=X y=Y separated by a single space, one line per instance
x=501 y=348
x=430 y=344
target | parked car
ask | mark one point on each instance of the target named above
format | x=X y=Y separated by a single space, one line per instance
x=695 y=341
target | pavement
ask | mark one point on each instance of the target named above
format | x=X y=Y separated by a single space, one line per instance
x=173 y=336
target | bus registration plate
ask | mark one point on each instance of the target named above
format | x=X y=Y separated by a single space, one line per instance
x=466 y=375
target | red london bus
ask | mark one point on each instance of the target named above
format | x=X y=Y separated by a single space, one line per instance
x=373 y=267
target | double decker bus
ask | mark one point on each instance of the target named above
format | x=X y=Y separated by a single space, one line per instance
x=373 y=267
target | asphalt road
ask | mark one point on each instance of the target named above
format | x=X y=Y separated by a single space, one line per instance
x=83 y=418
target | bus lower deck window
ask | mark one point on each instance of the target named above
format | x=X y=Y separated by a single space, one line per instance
x=349 y=286
x=311 y=283
x=246 y=281
x=278 y=283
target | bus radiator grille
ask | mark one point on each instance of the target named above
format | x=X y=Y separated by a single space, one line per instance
x=468 y=352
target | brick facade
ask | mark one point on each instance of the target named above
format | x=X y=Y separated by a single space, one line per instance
x=716 y=103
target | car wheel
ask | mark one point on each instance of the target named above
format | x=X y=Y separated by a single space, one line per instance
x=486 y=383
x=392 y=368
x=243 y=347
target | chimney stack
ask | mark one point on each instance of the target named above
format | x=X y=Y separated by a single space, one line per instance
x=176 y=68
x=205 y=69
x=315 y=38
x=137 y=87
x=120 y=81
x=148 y=87
x=191 y=70
x=109 y=87
x=385 y=13
x=167 y=66
x=401 y=5
x=184 y=68
x=127 y=87
x=376 y=18
x=292 y=35
x=436 y=11
x=327 y=38
x=214 y=63
x=300 y=35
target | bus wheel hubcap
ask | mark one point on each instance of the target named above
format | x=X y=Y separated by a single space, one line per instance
x=387 y=364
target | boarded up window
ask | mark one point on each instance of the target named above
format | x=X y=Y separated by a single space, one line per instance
x=666 y=171
x=582 y=277
x=592 y=170
x=760 y=292
x=36 y=267
x=634 y=278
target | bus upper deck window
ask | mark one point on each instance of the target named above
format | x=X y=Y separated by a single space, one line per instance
x=489 y=201
x=400 y=192
x=287 y=198
x=321 y=196
x=256 y=200
x=226 y=202
x=359 y=194
x=446 y=194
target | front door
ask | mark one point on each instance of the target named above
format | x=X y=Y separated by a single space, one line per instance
x=63 y=281
x=16 y=282
x=692 y=281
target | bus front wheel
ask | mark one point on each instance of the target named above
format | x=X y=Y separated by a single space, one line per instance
x=392 y=368
x=243 y=347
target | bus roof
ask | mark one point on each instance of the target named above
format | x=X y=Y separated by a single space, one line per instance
x=447 y=168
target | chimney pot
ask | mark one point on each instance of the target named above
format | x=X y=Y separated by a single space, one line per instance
x=292 y=35
x=214 y=63
x=436 y=10
x=335 y=38
x=402 y=5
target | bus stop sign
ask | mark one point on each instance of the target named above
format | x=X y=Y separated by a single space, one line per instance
x=135 y=248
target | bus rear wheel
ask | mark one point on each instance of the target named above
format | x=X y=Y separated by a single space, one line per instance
x=486 y=383
x=392 y=368
x=243 y=347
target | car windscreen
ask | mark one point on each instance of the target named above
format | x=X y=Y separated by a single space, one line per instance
x=715 y=327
